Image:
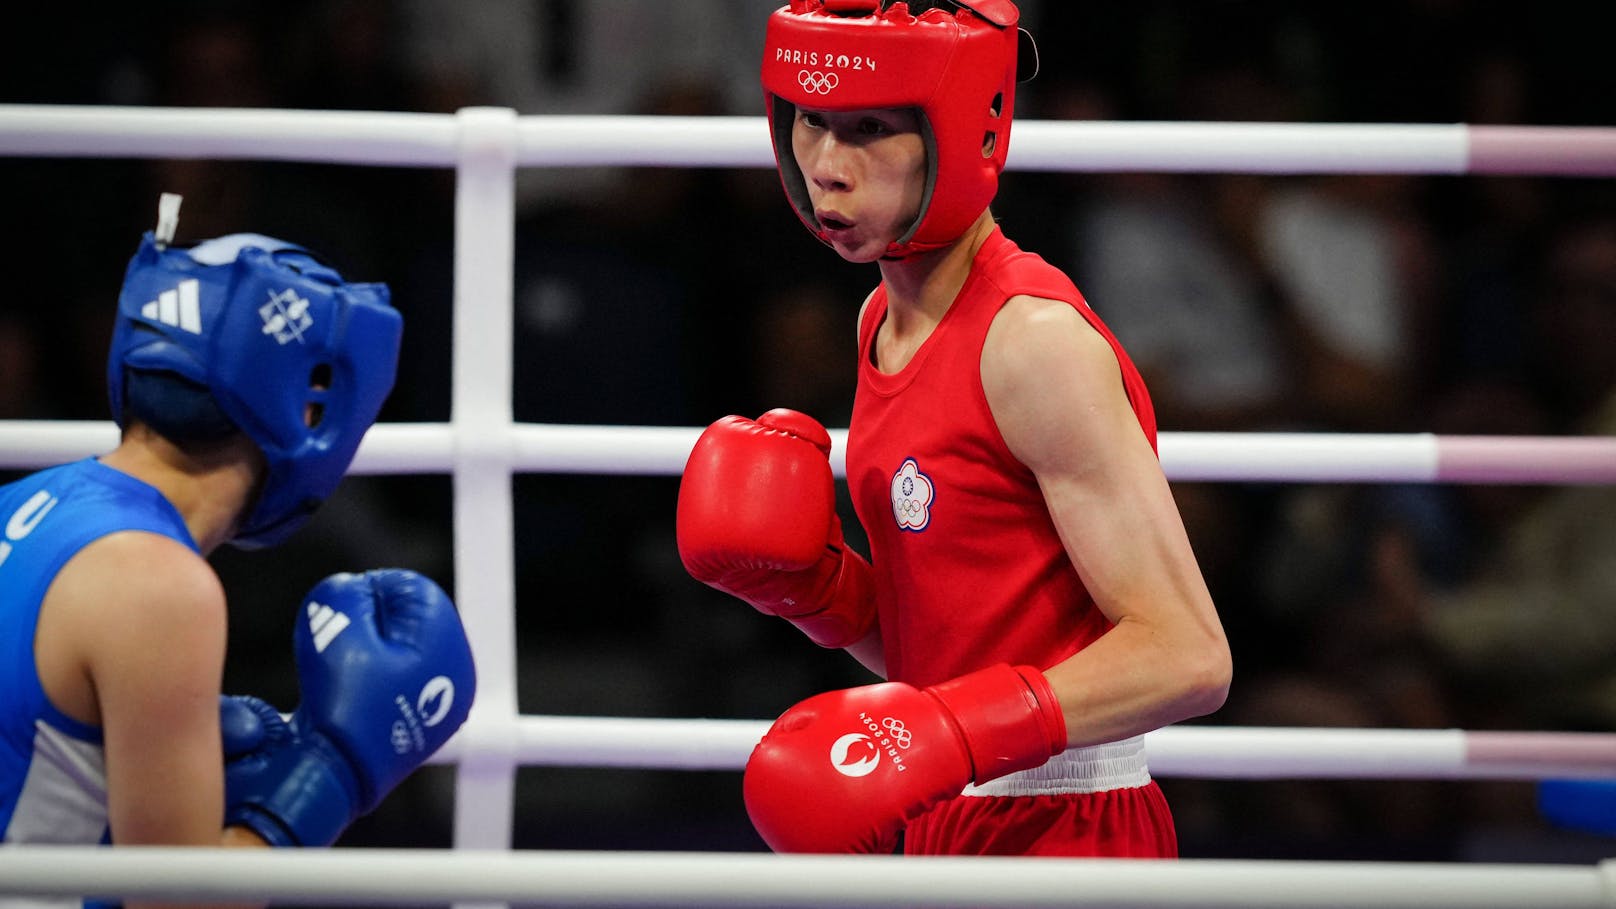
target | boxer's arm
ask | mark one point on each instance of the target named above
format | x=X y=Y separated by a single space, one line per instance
x=132 y=638
x=1055 y=389
x=869 y=652
x=142 y=618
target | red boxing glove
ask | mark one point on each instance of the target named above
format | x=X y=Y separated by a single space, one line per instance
x=757 y=520
x=847 y=770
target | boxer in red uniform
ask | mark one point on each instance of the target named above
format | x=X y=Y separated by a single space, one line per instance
x=1031 y=595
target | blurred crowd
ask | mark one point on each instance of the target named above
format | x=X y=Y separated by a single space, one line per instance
x=652 y=296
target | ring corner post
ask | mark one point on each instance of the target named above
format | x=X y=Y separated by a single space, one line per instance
x=482 y=422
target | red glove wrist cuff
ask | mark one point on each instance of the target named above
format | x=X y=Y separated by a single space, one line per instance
x=849 y=612
x=1008 y=716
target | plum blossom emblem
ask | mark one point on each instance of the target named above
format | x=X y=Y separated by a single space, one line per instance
x=912 y=493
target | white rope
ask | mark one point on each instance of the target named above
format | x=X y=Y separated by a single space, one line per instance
x=567 y=878
x=334 y=137
x=1270 y=148
x=406 y=448
x=431 y=140
x=1203 y=752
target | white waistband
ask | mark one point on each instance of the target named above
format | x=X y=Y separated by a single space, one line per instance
x=1094 y=768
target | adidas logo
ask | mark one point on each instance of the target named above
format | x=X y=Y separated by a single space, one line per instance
x=177 y=307
x=325 y=624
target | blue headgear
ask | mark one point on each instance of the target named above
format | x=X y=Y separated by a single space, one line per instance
x=293 y=356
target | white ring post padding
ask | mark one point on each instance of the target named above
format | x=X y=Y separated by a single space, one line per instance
x=1191 y=751
x=484 y=532
x=574 y=878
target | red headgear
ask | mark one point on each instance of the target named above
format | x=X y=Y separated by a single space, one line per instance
x=957 y=68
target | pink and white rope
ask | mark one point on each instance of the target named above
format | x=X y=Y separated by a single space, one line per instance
x=385 y=877
x=403 y=448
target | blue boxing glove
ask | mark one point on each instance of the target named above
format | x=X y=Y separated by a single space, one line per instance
x=251 y=730
x=386 y=676
x=1588 y=806
x=252 y=733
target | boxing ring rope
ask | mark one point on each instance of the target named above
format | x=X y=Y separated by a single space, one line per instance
x=434 y=140
x=416 y=877
x=482 y=448
x=1195 y=751
x=1257 y=457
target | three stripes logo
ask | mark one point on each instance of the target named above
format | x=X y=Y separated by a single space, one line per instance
x=325 y=624
x=286 y=315
x=178 y=307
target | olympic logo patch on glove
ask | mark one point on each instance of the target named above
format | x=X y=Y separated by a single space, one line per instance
x=431 y=706
x=912 y=493
x=857 y=754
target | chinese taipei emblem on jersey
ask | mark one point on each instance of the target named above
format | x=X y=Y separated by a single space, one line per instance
x=912 y=494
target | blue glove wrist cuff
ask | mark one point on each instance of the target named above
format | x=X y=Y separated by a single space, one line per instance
x=310 y=805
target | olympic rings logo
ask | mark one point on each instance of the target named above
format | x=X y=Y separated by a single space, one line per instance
x=912 y=495
x=901 y=736
x=817 y=83
x=400 y=737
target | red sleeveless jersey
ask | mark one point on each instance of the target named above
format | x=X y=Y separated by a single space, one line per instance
x=969 y=568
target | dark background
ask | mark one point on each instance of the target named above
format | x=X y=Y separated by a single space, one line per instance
x=675 y=296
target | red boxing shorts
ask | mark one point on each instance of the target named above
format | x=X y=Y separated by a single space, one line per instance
x=1096 y=802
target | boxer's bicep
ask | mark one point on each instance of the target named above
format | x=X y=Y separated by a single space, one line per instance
x=155 y=656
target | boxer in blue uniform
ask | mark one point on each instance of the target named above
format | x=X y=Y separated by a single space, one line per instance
x=243 y=373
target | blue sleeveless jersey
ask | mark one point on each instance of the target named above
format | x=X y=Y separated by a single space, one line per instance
x=52 y=776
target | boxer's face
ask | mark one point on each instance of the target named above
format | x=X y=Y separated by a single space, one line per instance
x=865 y=171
